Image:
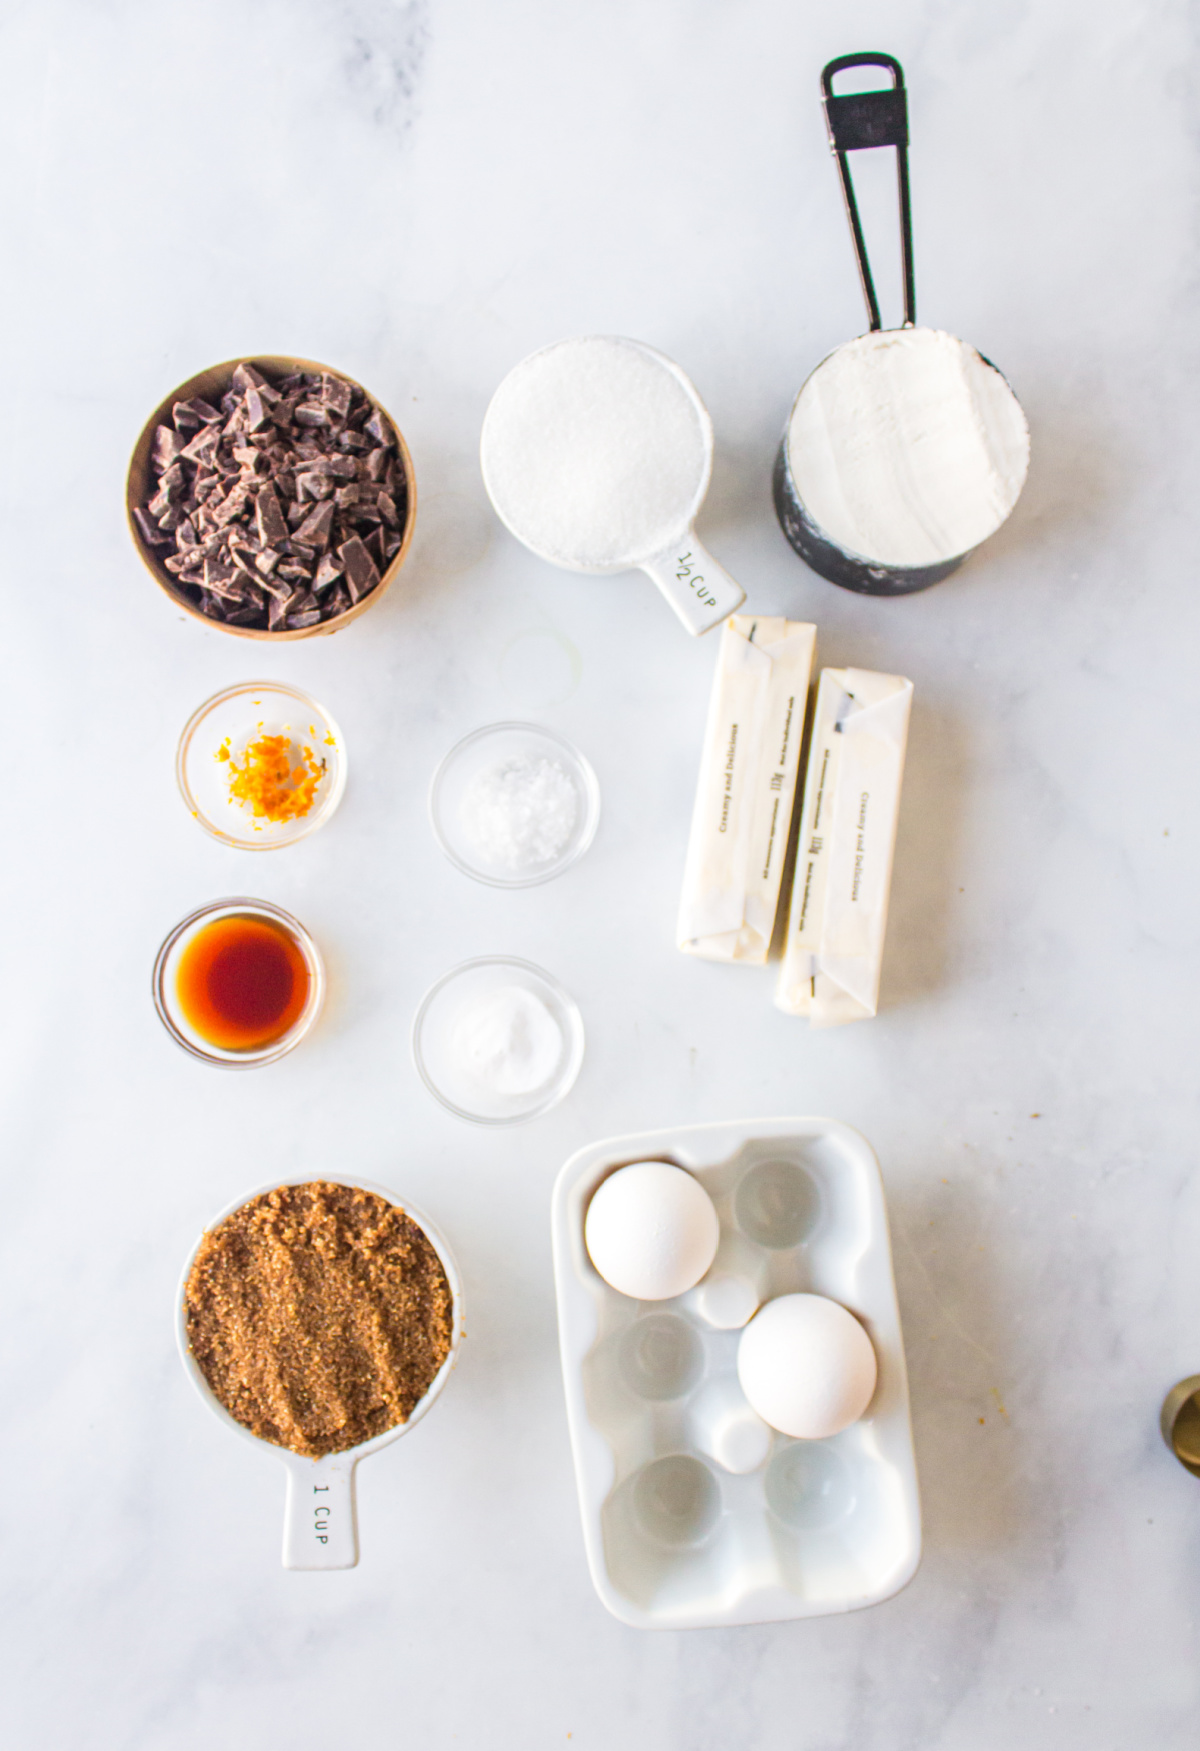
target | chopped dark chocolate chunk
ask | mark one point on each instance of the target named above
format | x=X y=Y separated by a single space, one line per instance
x=233 y=506
x=167 y=444
x=313 y=485
x=203 y=447
x=257 y=415
x=361 y=573
x=336 y=393
x=378 y=428
x=318 y=527
x=246 y=377
x=329 y=569
x=277 y=609
x=188 y=415
x=279 y=481
x=150 y=532
x=269 y=517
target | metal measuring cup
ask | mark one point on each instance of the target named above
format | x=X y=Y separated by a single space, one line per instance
x=860 y=121
x=320 y=1526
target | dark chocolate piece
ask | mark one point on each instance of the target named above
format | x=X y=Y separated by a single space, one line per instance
x=166 y=446
x=150 y=533
x=336 y=393
x=317 y=528
x=246 y=377
x=269 y=517
x=361 y=572
x=377 y=427
x=329 y=569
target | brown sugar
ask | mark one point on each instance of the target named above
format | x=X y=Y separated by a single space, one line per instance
x=319 y=1315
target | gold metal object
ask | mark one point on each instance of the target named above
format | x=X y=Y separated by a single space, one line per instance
x=1181 y=1423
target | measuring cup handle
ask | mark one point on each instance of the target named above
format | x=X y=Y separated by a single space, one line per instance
x=701 y=592
x=320 y=1529
x=858 y=121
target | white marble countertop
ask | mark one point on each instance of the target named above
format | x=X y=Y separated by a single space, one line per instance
x=420 y=194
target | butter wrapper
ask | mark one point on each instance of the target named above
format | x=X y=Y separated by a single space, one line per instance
x=747 y=788
x=833 y=951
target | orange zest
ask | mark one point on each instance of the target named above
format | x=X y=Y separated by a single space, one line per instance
x=268 y=784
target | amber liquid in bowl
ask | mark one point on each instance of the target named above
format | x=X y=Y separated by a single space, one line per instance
x=242 y=983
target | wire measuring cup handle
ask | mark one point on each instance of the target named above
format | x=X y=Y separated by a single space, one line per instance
x=857 y=121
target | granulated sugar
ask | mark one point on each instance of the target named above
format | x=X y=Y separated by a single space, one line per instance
x=595 y=452
x=521 y=812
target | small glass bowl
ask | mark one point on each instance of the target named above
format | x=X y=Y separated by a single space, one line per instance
x=240 y=714
x=437 y=1046
x=166 y=970
x=491 y=747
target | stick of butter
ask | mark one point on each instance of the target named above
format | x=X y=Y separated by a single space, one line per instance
x=838 y=915
x=747 y=788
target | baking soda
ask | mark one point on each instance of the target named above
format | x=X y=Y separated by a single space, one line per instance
x=508 y=1041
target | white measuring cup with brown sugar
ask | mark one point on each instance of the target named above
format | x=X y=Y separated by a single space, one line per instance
x=597 y=454
x=320 y=1529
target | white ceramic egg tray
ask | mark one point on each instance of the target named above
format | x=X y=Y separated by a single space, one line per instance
x=695 y=1514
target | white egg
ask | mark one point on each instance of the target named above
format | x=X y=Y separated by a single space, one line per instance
x=651 y=1230
x=807 y=1366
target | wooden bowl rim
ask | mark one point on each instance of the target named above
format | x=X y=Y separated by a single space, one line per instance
x=205 y=383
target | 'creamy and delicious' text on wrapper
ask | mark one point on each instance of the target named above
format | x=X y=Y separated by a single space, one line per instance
x=747 y=788
x=834 y=945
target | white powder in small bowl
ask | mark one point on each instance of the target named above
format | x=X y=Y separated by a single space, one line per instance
x=521 y=812
x=508 y=1041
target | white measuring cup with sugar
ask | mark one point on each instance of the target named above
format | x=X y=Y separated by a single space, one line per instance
x=320 y=1527
x=596 y=454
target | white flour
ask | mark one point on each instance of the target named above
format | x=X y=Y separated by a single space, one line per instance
x=907 y=448
x=521 y=812
x=596 y=452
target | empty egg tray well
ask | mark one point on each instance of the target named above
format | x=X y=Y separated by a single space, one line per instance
x=695 y=1514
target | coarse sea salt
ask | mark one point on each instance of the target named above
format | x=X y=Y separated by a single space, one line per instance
x=521 y=812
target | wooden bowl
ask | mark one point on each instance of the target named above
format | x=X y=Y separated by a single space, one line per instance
x=210 y=386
